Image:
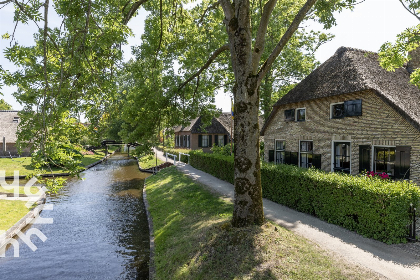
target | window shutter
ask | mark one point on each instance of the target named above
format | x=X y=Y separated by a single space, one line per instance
x=316 y=161
x=225 y=140
x=402 y=162
x=353 y=108
x=216 y=140
x=200 y=141
x=270 y=155
x=364 y=158
x=210 y=137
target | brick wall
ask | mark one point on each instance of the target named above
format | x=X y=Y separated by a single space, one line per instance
x=378 y=125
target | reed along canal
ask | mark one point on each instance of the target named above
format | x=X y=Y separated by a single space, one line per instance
x=99 y=229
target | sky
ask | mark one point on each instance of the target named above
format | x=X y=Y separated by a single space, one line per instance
x=367 y=27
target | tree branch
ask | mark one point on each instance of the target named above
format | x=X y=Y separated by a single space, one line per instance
x=227 y=9
x=210 y=7
x=6 y=2
x=284 y=39
x=206 y=65
x=132 y=10
x=411 y=12
x=262 y=30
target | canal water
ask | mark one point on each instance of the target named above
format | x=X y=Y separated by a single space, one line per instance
x=99 y=229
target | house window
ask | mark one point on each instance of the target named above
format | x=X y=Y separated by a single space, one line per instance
x=16 y=119
x=300 y=114
x=221 y=140
x=353 y=108
x=349 y=108
x=384 y=160
x=342 y=157
x=337 y=110
x=306 y=153
x=289 y=115
x=280 y=146
x=188 y=141
x=205 y=141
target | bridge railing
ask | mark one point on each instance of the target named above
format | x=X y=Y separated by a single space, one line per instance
x=184 y=155
x=170 y=155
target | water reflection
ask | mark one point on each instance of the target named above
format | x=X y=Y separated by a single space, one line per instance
x=100 y=229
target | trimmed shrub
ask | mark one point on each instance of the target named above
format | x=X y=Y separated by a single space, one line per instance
x=217 y=165
x=371 y=206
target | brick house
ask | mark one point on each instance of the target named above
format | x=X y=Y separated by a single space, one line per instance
x=195 y=137
x=9 y=121
x=349 y=115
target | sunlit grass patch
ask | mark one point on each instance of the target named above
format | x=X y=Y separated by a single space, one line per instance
x=195 y=240
x=11 y=211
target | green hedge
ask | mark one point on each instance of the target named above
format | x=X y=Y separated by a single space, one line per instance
x=217 y=165
x=372 y=207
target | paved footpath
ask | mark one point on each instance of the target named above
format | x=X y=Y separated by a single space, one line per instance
x=399 y=261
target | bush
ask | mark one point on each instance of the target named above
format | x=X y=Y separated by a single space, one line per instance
x=217 y=165
x=224 y=150
x=371 y=206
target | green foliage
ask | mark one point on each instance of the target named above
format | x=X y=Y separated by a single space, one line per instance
x=372 y=207
x=218 y=165
x=394 y=55
x=4 y=105
x=223 y=150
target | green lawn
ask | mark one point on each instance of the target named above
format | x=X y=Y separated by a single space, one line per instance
x=11 y=211
x=195 y=240
x=23 y=164
x=148 y=162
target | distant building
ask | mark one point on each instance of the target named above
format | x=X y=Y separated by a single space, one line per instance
x=194 y=137
x=9 y=121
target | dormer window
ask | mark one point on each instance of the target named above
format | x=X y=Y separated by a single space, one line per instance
x=337 y=110
x=16 y=119
x=349 y=108
x=300 y=114
x=289 y=115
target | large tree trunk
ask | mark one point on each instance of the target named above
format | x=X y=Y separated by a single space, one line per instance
x=248 y=194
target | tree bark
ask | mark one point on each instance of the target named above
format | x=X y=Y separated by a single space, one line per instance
x=248 y=207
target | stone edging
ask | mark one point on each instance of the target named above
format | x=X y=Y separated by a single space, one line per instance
x=22 y=223
x=152 y=268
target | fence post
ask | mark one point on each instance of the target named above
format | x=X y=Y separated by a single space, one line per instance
x=412 y=227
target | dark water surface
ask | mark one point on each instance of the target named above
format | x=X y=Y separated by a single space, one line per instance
x=99 y=229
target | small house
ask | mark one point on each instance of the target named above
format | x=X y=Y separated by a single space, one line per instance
x=194 y=136
x=9 y=121
x=349 y=115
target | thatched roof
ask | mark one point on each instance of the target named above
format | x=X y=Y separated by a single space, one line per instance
x=219 y=125
x=8 y=127
x=352 y=70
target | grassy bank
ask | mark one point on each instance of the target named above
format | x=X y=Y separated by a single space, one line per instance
x=149 y=162
x=11 y=211
x=23 y=164
x=194 y=240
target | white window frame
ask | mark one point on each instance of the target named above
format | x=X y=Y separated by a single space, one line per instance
x=305 y=152
x=373 y=161
x=331 y=106
x=275 y=149
x=333 y=152
x=218 y=140
x=296 y=114
x=202 y=141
